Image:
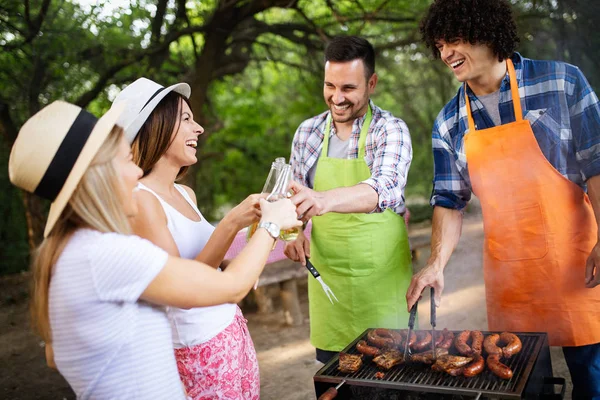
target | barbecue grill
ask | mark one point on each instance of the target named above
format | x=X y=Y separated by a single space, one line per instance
x=532 y=377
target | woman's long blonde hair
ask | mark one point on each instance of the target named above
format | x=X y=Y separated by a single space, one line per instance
x=95 y=204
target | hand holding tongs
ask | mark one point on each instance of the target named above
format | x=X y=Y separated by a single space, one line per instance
x=317 y=276
x=411 y=325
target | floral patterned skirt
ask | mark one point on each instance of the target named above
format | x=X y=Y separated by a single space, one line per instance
x=225 y=367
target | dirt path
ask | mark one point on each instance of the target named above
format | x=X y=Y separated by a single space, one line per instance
x=285 y=355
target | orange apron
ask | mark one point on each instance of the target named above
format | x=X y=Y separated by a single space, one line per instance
x=539 y=231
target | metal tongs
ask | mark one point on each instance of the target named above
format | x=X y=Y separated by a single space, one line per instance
x=317 y=276
x=432 y=321
x=411 y=325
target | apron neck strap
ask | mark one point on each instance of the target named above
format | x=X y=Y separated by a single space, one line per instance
x=361 y=141
x=514 y=91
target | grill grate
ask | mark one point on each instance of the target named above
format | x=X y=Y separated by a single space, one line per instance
x=421 y=378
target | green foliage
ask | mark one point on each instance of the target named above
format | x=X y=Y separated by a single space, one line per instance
x=14 y=250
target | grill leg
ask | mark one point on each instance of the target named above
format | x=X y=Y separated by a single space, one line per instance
x=542 y=368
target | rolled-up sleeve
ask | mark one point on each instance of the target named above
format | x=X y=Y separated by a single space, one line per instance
x=391 y=162
x=584 y=110
x=450 y=189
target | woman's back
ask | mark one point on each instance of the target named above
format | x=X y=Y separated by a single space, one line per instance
x=108 y=343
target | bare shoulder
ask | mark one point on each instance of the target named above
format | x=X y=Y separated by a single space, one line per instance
x=190 y=192
x=149 y=207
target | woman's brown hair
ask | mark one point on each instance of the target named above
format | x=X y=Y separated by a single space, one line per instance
x=156 y=135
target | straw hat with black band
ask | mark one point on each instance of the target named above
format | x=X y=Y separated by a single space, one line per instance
x=53 y=150
x=141 y=98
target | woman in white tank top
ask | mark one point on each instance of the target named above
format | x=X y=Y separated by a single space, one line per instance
x=215 y=354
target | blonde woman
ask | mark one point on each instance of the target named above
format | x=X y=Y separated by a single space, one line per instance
x=99 y=291
x=213 y=348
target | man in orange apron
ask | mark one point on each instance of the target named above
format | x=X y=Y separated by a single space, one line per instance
x=524 y=137
x=350 y=164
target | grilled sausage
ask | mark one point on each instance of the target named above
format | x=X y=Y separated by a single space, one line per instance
x=448 y=338
x=490 y=344
x=412 y=340
x=500 y=370
x=476 y=341
x=512 y=344
x=461 y=343
x=423 y=341
x=381 y=338
x=475 y=367
x=367 y=350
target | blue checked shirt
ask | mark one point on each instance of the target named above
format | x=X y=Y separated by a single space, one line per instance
x=558 y=102
x=388 y=153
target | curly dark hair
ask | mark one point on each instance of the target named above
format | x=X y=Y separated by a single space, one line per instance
x=487 y=22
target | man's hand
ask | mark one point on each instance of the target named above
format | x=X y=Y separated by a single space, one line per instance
x=592 y=268
x=307 y=201
x=299 y=249
x=432 y=276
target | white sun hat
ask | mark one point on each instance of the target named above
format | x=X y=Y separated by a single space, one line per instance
x=141 y=98
x=53 y=150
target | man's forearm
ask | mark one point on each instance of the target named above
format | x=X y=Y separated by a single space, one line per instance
x=360 y=198
x=593 y=185
x=446 y=230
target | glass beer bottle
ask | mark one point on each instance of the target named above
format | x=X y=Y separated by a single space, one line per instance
x=268 y=188
x=281 y=192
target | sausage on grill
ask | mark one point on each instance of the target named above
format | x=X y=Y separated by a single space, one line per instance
x=423 y=341
x=447 y=339
x=412 y=340
x=367 y=350
x=512 y=344
x=500 y=370
x=490 y=344
x=384 y=338
x=461 y=343
x=476 y=341
x=475 y=367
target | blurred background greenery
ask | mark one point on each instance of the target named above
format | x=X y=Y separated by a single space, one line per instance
x=255 y=67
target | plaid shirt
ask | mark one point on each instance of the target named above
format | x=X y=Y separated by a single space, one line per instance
x=388 y=153
x=558 y=102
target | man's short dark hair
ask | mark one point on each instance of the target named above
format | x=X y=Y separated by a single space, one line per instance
x=487 y=22
x=349 y=48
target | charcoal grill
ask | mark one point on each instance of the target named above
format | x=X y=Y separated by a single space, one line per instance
x=532 y=377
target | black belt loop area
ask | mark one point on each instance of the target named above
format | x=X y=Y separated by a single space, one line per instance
x=61 y=165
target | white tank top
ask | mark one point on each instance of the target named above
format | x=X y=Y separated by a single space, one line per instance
x=196 y=325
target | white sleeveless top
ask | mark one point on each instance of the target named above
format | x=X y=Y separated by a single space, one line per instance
x=196 y=325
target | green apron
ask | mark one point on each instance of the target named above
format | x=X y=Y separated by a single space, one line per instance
x=364 y=258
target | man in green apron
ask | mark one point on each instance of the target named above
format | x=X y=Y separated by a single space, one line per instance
x=350 y=164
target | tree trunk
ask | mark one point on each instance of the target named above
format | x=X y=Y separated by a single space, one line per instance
x=36 y=217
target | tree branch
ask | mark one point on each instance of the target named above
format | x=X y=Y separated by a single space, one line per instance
x=157 y=22
x=7 y=125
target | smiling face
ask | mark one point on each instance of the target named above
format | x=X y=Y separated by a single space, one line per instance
x=346 y=89
x=468 y=62
x=182 y=150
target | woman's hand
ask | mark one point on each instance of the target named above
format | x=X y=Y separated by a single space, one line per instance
x=280 y=212
x=246 y=213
